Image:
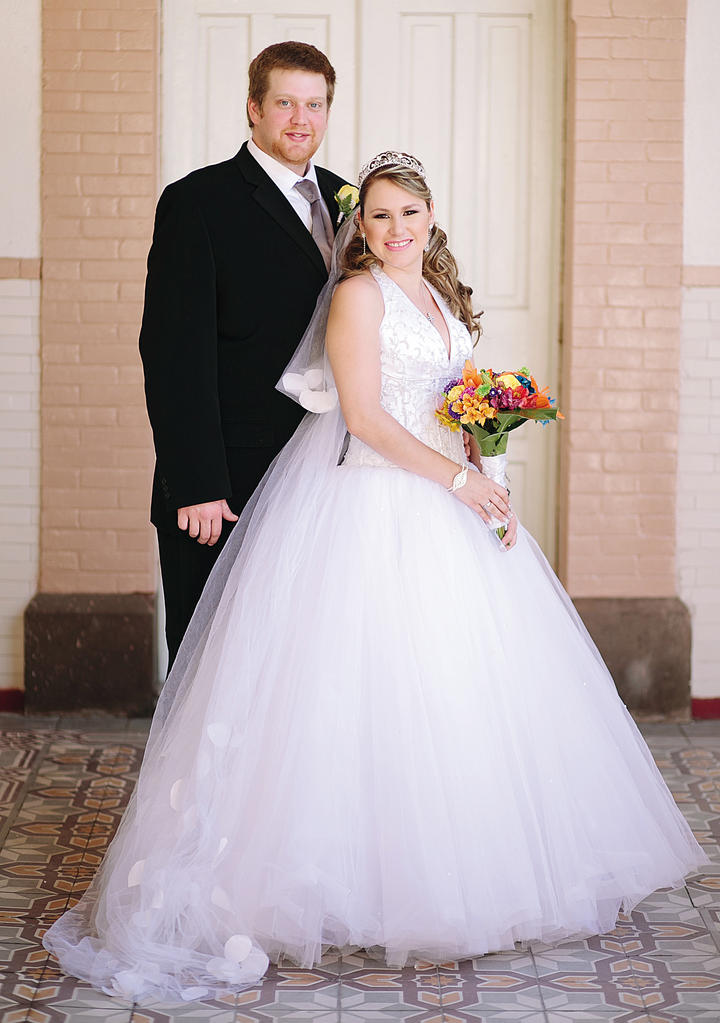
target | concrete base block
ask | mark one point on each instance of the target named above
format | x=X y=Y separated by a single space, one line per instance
x=90 y=652
x=645 y=642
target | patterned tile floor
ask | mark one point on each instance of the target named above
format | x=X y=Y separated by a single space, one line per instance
x=65 y=781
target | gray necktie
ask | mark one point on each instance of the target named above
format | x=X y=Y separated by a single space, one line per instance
x=322 y=230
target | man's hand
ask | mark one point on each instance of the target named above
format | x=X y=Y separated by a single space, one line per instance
x=204 y=521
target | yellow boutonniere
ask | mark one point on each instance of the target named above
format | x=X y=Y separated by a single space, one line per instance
x=347 y=199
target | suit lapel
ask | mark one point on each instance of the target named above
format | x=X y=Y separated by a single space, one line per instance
x=269 y=196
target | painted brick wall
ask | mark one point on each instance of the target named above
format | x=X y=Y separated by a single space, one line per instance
x=698 y=503
x=19 y=460
x=623 y=298
x=99 y=185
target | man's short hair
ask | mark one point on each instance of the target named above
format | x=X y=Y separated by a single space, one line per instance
x=289 y=56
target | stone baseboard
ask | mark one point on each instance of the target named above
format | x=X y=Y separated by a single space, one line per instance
x=97 y=652
x=645 y=642
x=90 y=652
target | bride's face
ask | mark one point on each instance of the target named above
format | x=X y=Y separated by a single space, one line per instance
x=396 y=224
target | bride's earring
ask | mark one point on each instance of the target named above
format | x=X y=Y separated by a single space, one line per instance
x=364 y=249
x=427 y=247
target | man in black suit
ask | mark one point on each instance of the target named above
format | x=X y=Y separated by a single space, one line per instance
x=239 y=254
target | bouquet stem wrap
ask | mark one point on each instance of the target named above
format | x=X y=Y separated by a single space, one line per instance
x=494 y=467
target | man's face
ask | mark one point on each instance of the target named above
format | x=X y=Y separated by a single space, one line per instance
x=291 y=124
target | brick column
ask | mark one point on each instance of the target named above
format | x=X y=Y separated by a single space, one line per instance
x=98 y=190
x=622 y=339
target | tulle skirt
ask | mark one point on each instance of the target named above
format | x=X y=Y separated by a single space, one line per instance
x=397 y=734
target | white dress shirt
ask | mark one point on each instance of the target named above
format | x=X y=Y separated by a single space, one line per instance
x=285 y=180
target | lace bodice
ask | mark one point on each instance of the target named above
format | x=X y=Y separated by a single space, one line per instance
x=415 y=368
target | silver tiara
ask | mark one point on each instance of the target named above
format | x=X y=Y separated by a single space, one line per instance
x=390 y=158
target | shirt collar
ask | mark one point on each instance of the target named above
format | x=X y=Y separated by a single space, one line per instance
x=282 y=176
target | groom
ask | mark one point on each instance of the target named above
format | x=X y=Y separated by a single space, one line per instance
x=240 y=252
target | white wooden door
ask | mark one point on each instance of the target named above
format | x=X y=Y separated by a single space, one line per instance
x=473 y=88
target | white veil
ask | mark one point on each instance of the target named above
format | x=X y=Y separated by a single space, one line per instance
x=308 y=378
x=112 y=938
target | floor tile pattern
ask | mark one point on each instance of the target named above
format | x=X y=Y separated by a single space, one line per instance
x=64 y=783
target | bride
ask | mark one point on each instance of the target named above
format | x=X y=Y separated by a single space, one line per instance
x=384 y=728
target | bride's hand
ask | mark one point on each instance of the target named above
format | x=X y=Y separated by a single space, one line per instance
x=488 y=499
x=510 y=538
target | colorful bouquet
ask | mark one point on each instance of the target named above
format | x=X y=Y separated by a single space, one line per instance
x=488 y=406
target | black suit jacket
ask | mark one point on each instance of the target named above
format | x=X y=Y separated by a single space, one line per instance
x=233 y=277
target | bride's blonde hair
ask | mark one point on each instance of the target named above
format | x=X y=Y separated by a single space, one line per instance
x=439 y=265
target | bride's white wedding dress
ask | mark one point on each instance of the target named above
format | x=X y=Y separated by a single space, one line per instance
x=391 y=732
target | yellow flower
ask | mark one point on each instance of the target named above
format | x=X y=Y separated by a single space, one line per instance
x=508 y=380
x=446 y=419
x=454 y=393
x=349 y=192
x=347 y=199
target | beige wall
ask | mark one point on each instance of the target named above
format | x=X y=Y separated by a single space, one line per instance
x=20 y=66
x=698 y=525
x=99 y=185
x=623 y=296
x=702 y=135
x=19 y=459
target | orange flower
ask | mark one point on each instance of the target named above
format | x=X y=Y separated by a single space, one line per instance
x=471 y=375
